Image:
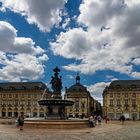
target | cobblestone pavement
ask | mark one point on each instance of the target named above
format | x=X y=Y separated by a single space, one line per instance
x=110 y=131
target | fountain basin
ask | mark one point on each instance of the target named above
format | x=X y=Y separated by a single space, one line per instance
x=56 y=124
x=56 y=108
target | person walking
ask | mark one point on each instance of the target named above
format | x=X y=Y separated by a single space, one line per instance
x=122 y=119
x=16 y=121
x=106 y=119
x=91 y=121
x=99 y=119
x=21 y=121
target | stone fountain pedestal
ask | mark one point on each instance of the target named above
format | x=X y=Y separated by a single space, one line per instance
x=56 y=108
x=56 y=105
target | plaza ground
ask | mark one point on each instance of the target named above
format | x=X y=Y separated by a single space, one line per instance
x=114 y=130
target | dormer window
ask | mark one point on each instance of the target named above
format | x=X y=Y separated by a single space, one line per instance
x=36 y=87
x=118 y=86
x=11 y=88
x=23 y=87
x=80 y=89
x=133 y=86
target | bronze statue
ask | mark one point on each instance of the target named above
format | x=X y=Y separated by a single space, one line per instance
x=56 y=81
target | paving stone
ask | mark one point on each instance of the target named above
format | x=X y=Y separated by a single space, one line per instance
x=111 y=131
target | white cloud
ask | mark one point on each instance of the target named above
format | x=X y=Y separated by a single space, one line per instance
x=96 y=90
x=132 y=2
x=20 y=58
x=66 y=23
x=22 y=66
x=44 y=13
x=44 y=57
x=67 y=44
x=136 y=75
x=98 y=12
x=136 y=61
x=111 y=41
x=11 y=43
x=70 y=76
x=111 y=78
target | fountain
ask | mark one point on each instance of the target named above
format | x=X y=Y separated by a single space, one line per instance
x=56 y=105
x=55 y=116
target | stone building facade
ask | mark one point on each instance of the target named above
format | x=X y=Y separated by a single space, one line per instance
x=84 y=104
x=22 y=97
x=122 y=97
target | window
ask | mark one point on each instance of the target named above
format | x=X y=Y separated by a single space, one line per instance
x=70 y=108
x=10 y=95
x=133 y=86
x=111 y=103
x=16 y=95
x=29 y=96
x=118 y=86
x=35 y=96
x=16 y=102
x=3 y=103
x=9 y=102
x=22 y=95
x=126 y=109
x=126 y=105
x=118 y=102
x=36 y=87
x=83 y=105
x=4 y=95
x=77 y=104
x=35 y=103
x=111 y=95
x=23 y=87
x=22 y=103
x=28 y=103
x=134 y=95
x=118 y=95
x=126 y=102
x=126 y=95
x=133 y=102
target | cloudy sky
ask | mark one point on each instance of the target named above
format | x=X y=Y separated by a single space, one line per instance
x=100 y=39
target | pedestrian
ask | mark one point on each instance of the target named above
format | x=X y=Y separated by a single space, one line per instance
x=99 y=119
x=122 y=119
x=21 y=121
x=106 y=119
x=16 y=122
x=91 y=121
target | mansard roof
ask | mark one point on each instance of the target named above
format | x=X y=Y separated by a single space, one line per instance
x=23 y=86
x=77 y=88
x=125 y=84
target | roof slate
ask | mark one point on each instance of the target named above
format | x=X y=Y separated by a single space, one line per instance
x=23 y=86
